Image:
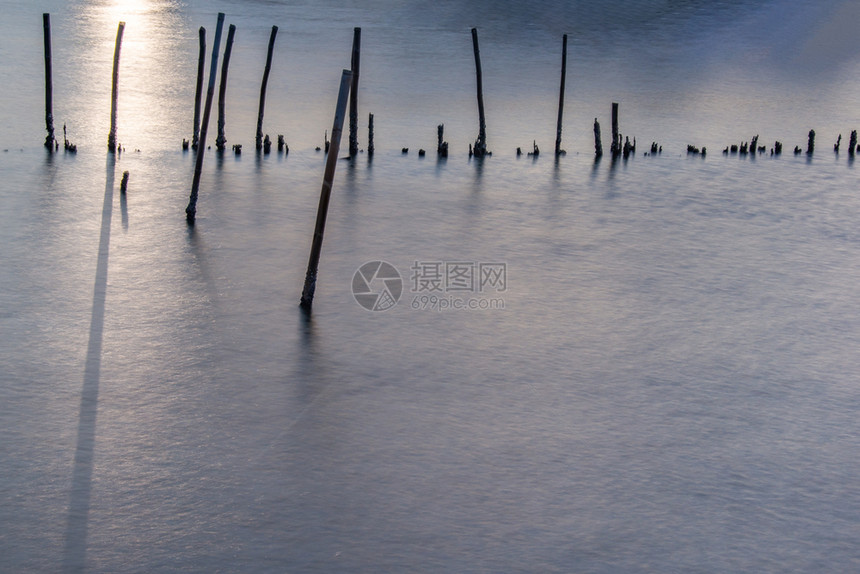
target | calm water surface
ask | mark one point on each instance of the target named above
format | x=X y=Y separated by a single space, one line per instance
x=671 y=386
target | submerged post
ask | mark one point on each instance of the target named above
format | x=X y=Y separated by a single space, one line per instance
x=331 y=163
x=480 y=148
x=50 y=142
x=353 y=93
x=615 y=148
x=810 y=146
x=221 y=140
x=113 y=93
x=370 y=135
x=598 y=146
x=198 y=93
x=191 y=210
x=263 y=87
x=561 y=95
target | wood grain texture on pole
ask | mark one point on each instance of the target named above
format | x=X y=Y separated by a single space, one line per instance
x=191 y=210
x=50 y=141
x=481 y=143
x=114 y=86
x=353 y=93
x=221 y=139
x=561 y=96
x=259 y=139
x=325 y=194
x=198 y=92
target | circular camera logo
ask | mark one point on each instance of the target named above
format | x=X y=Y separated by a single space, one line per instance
x=377 y=286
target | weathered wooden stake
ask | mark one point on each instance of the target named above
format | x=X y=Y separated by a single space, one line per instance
x=123 y=185
x=113 y=94
x=263 y=87
x=810 y=147
x=191 y=210
x=441 y=145
x=198 y=93
x=50 y=142
x=370 y=135
x=598 y=146
x=615 y=148
x=331 y=163
x=221 y=140
x=353 y=93
x=852 y=143
x=480 y=149
x=561 y=95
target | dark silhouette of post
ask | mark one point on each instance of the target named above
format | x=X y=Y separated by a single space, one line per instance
x=263 y=87
x=615 y=148
x=50 y=142
x=561 y=95
x=331 y=163
x=370 y=148
x=353 y=93
x=191 y=210
x=113 y=93
x=810 y=145
x=198 y=93
x=598 y=146
x=480 y=148
x=221 y=140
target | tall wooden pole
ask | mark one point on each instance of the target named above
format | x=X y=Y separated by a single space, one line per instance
x=221 y=139
x=353 y=93
x=263 y=87
x=198 y=93
x=331 y=163
x=481 y=144
x=615 y=148
x=191 y=210
x=561 y=95
x=370 y=147
x=113 y=94
x=50 y=142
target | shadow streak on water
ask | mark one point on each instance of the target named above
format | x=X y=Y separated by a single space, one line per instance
x=75 y=549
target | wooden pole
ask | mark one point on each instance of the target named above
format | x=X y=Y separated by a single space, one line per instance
x=370 y=148
x=810 y=145
x=561 y=95
x=353 y=93
x=113 y=95
x=221 y=140
x=50 y=142
x=480 y=148
x=198 y=93
x=615 y=148
x=331 y=163
x=191 y=210
x=263 y=87
x=598 y=146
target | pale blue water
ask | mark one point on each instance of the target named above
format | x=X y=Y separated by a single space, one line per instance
x=671 y=386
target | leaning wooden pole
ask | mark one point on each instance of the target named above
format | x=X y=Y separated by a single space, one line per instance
x=263 y=87
x=50 y=142
x=191 y=210
x=113 y=93
x=221 y=139
x=198 y=93
x=353 y=93
x=561 y=95
x=481 y=143
x=331 y=163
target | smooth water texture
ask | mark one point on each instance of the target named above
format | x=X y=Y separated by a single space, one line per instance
x=666 y=382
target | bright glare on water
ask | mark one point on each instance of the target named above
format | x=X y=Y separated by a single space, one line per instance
x=661 y=376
